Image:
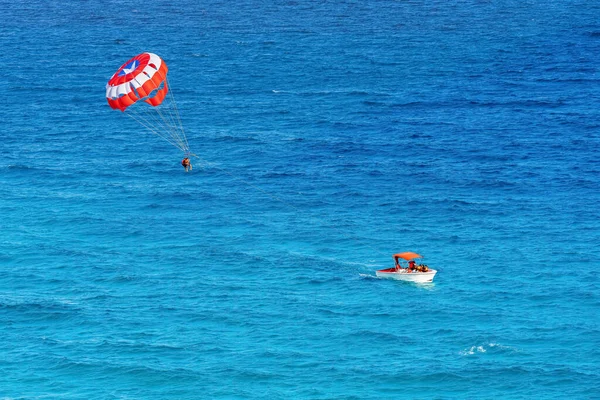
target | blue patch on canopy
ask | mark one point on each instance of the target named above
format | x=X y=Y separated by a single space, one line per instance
x=130 y=67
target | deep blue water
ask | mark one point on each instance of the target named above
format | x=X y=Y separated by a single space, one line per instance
x=332 y=134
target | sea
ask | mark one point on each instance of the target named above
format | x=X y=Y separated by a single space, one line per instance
x=329 y=135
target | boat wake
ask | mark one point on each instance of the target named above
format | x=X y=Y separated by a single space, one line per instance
x=368 y=276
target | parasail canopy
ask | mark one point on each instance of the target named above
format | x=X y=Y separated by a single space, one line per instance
x=407 y=255
x=144 y=77
x=140 y=89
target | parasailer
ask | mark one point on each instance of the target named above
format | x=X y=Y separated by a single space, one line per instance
x=187 y=165
x=140 y=89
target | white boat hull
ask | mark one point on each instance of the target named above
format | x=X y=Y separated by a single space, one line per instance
x=404 y=275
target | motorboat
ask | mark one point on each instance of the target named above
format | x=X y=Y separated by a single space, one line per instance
x=412 y=272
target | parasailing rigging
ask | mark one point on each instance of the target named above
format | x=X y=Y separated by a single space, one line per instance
x=140 y=89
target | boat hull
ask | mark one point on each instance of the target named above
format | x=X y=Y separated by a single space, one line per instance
x=404 y=275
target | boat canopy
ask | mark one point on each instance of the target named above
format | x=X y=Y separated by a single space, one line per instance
x=408 y=255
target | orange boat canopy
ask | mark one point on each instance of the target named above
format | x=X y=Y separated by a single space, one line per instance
x=408 y=255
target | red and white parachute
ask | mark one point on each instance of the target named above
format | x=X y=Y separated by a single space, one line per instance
x=140 y=89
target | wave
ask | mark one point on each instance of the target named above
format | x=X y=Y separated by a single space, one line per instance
x=20 y=167
x=383 y=336
x=490 y=348
x=40 y=309
x=283 y=175
x=235 y=139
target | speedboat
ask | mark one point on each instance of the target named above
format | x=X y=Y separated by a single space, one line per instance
x=412 y=272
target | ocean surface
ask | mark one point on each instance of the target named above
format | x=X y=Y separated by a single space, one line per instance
x=330 y=135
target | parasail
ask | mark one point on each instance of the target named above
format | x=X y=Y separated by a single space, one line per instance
x=140 y=89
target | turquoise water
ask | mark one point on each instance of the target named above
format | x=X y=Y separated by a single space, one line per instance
x=331 y=135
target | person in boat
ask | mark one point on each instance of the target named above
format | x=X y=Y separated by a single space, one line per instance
x=411 y=265
x=187 y=165
x=422 y=268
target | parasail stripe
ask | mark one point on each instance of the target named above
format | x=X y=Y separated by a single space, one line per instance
x=159 y=96
x=139 y=80
x=125 y=102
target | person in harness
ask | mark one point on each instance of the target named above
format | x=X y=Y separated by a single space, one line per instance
x=187 y=165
